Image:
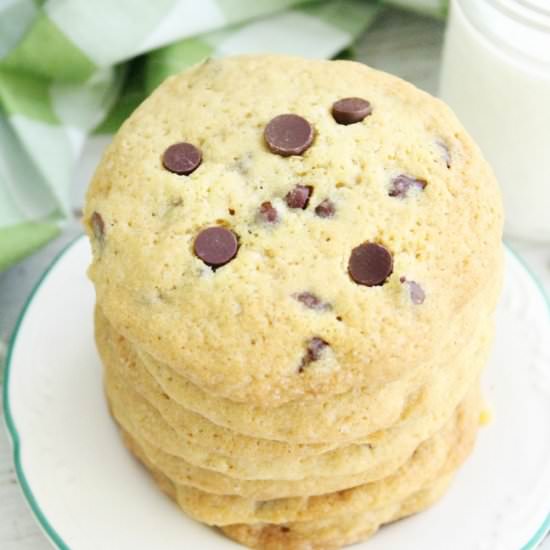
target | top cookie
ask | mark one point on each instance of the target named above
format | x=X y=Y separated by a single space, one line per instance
x=275 y=227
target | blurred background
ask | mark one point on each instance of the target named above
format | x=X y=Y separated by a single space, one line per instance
x=72 y=70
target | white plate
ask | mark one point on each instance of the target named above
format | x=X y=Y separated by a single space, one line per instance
x=87 y=492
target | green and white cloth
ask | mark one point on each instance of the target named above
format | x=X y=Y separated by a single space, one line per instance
x=72 y=67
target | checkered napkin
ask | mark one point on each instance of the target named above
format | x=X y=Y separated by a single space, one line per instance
x=72 y=67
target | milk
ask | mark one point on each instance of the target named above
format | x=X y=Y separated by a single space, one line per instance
x=496 y=77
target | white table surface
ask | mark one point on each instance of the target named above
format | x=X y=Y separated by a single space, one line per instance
x=404 y=44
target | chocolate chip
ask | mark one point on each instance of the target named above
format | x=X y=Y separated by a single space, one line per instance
x=370 y=264
x=314 y=351
x=288 y=135
x=299 y=196
x=445 y=153
x=98 y=226
x=311 y=301
x=325 y=209
x=402 y=184
x=350 y=110
x=216 y=246
x=416 y=292
x=182 y=158
x=267 y=213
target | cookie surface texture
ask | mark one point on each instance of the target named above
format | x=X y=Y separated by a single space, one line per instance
x=232 y=324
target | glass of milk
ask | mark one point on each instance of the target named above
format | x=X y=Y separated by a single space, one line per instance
x=496 y=77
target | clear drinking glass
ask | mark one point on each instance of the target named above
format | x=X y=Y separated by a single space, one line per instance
x=496 y=77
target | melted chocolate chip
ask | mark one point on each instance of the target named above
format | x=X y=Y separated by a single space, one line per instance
x=182 y=158
x=98 y=226
x=299 y=196
x=325 y=209
x=403 y=184
x=314 y=351
x=416 y=292
x=216 y=246
x=350 y=110
x=267 y=213
x=311 y=301
x=370 y=264
x=288 y=135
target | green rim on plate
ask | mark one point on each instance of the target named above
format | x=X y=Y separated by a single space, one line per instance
x=41 y=518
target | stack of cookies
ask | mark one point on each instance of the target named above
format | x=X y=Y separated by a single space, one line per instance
x=296 y=265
